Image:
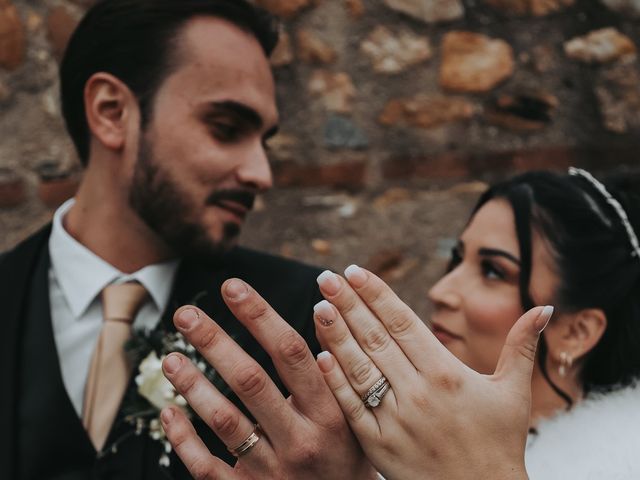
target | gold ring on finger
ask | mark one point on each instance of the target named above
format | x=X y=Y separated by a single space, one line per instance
x=248 y=443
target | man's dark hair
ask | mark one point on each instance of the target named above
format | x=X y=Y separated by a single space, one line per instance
x=594 y=260
x=135 y=40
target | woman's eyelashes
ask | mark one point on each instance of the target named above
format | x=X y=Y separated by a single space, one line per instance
x=489 y=268
x=491 y=271
x=456 y=258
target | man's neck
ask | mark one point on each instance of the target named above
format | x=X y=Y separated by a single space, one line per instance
x=106 y=225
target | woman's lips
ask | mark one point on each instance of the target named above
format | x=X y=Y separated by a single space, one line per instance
x=443 y=335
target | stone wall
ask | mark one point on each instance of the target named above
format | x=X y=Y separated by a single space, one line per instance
x=391 y=110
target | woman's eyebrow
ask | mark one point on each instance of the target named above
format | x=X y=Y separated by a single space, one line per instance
x=492 y=252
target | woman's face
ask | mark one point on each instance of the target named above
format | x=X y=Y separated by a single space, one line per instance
x=478 y=301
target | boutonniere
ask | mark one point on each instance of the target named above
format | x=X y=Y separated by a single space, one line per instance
x=151 y=390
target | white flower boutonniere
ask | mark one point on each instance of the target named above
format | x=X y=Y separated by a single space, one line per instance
x=142 y=405
x=154 y=386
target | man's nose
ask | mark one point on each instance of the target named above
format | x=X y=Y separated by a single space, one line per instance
x=255 y=169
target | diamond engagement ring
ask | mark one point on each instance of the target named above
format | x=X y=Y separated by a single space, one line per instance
x=374 y=395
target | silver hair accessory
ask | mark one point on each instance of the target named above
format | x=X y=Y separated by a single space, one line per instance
x=633 y=238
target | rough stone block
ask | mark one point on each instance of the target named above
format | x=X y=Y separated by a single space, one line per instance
x=600 y=46
x=532 y=7
x=426 y=111
x=340 y=132
x=472 y=62
x=394 y=53
x=429 y=11
x=346 y=174
x=12 y=38
x=283 y=8
x=312 y=49
x=335 y=88
x=282 y=55
x=61 y=24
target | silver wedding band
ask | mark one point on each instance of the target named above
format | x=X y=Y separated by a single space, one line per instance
x=248 y=443
x=378 y=390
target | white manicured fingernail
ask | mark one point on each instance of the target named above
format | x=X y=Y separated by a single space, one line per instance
x=325 y=362
x=356 y=275
x=324 y=354
x=329 y=282
x=543 y=319
x=325 y=313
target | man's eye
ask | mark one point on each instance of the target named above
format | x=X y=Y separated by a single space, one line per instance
x=491 y=271
x=226 y=132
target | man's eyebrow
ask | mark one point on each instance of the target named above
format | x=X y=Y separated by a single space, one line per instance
x=245 y=113
x=492 y=252
x=238 y=109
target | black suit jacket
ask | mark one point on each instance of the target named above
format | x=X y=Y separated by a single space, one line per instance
x=290 y=287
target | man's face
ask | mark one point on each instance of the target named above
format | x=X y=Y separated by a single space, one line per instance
x=202 y=158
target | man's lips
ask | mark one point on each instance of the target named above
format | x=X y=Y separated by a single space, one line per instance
x=234 y=207
x=237 y=202
x=443 y=334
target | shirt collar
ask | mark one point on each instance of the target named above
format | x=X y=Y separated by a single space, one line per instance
x=82 y=274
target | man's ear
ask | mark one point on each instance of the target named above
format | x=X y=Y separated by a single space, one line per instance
x=576 y=334
x=110 y=106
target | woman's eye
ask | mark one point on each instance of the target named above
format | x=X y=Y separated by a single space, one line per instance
x=456 y=259
x=491 y=271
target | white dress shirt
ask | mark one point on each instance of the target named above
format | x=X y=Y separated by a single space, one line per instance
x=76 y=278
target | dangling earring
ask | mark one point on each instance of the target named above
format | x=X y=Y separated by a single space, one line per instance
x=566 y=361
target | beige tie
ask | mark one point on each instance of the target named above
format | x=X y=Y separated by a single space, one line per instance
x=109 y=371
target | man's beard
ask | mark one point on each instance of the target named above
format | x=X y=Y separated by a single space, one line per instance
x=159 y=202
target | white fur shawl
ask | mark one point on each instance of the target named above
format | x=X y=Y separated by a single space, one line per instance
x=598 y=439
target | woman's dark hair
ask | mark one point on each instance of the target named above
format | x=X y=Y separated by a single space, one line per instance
x=594 y=259
x=134 y=40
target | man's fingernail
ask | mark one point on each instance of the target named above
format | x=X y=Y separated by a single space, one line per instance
x=325 y=313
x=187 y=318
x=543 y=318
x=235 y=289
x=356 y=275
x=166 y=415
x=329 y=282
x=172 y=363
x=325 y=362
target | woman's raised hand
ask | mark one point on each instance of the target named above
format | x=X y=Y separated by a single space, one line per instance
x=439 y=418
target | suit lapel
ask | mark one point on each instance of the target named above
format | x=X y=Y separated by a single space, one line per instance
x=16 y=270
x=197 y=285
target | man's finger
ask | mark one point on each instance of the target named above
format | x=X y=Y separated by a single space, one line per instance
x=222 y=416
x=291 y=356
x=519 y=352
x=191 y=449
x=241 y=372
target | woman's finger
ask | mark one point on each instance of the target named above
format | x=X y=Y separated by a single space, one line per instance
x=367 y=329
x=519 y=352
x=409 y=332
x=222 y=416
x=361 y=419
x=191 y=449
x=361 y=372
